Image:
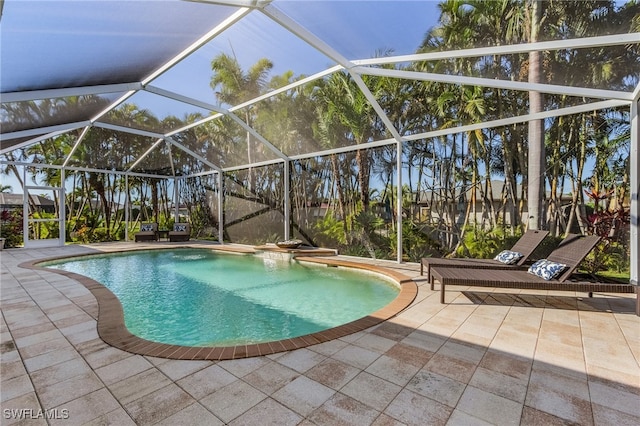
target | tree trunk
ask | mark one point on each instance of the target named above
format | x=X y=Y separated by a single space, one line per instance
x=536 y=129
x=341 y=209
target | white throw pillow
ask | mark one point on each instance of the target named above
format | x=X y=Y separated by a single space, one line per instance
x=509 y=257
x=547 y=269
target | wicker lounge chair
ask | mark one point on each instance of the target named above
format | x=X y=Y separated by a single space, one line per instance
x=181 y=232
x=148 y=232
x=571 y=251
x=525 y=245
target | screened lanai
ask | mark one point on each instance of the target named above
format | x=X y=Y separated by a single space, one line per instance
x=390 y=126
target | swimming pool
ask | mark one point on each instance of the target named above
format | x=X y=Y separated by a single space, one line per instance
x=195 y=297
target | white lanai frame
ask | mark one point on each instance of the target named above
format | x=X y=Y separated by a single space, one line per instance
x=635 y=192
x=356 y=68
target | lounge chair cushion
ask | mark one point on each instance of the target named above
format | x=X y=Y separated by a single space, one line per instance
x=180 y=228
x=508 y=257
x=546 y=269
x=147 y=227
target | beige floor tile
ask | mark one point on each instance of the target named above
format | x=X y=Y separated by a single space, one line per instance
x=14 y=410
x=531 y=416
x=43 y=348
x=86 y=408
x=138 y=386
x=194 y=414
x=371 y=390
x=123 y=369
x=476 y=338
x=232 y=400
x=451 y=367
x=489 y=407
x=82 y=332
x=242 y=367
x=565 y=397
x=565 y=334
x=384 y=420
x=68 y=390
x=59 y=372
x=356 y=356
x=393 y=370
x=158 y=405
x=15 y=387
x=514 y=342
x=413 y=409
x=561 y=356
x=332 y=373
x=32 y=339
x=460 y=418
x=479 y=325
x=375 y=343
x=616 y=396
x=603 y=415
x=51 y=358
x=270 y=377
x=177 y=369
x=206 y=381
x=343 y=410
x=505 y=363
x=628 y=378
x=117 y=417
x=499 y=384
x=9 y=370
x=424 y=340
x=409 y=354
x=72 y=320
x=66 y=311
x=442 y=326
x=268 y=412
x=395 y=329
x=303 y=395
x=462 y=351
x=301 y=360
x=436 y=387
x=350 y=338
x=329 y=348
x=105 y=356
x=610 y=353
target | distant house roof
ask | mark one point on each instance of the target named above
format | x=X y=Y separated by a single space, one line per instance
x=15 y=200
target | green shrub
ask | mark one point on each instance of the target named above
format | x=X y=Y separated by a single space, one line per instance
x=415 y=243
x=11 y=228
x=607 y=256
x=479 y=243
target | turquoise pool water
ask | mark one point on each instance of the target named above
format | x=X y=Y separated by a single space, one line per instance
x=194 y=297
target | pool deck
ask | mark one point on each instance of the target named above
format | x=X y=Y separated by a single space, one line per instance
x=489 y=356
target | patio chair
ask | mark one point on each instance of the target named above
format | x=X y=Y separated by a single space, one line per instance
x=524 y=246
x=148 y=232
x=181 y=232
x=571 y=251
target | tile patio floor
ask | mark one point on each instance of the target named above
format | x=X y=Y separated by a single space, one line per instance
x=531 y=358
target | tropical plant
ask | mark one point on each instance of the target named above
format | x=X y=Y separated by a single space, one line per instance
x=11 y=228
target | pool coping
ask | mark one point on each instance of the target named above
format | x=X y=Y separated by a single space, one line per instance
x=112 y=329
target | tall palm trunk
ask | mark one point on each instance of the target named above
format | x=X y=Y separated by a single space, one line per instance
x=536 y=130
x=362 y=160
x=340 y=193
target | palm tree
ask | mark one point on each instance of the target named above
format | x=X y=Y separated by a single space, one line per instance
x=537 y=159
x=234 y=86
x=6 y=189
